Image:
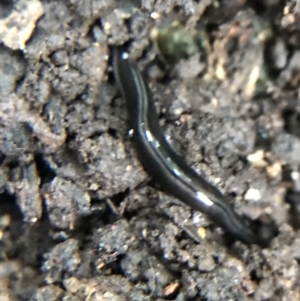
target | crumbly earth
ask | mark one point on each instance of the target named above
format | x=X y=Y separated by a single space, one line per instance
x=79 y=217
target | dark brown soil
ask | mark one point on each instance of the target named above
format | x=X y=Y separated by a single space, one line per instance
x=79 y=217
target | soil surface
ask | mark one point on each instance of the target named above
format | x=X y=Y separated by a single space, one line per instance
x=79 y=217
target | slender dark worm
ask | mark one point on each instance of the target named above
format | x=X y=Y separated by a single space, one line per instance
x=162 y=163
